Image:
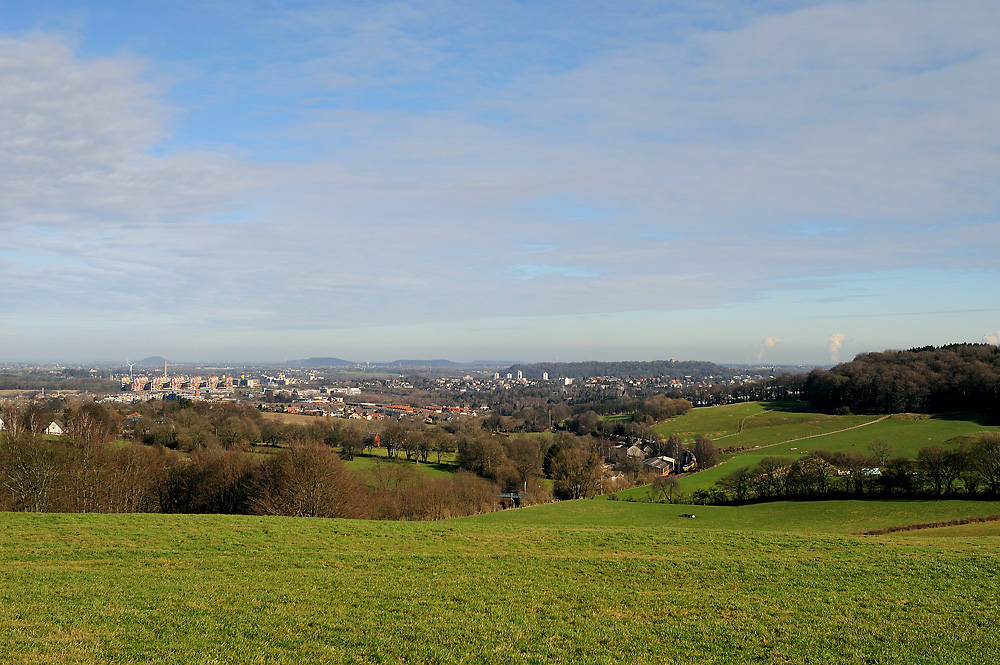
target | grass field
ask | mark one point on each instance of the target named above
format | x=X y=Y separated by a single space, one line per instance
x=782 y=429
x=293 y=418
x=443 y=470
x=574 y=582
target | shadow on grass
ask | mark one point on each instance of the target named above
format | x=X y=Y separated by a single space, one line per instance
x=788 y=406
x=982 y=419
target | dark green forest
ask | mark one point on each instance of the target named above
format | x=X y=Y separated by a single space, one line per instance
x=952 y=378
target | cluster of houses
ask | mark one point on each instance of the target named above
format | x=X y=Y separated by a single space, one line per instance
x=335 y=406
x=661 y=465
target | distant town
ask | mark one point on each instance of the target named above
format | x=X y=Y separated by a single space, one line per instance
x=426 y=390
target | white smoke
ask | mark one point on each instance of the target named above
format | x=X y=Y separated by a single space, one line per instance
x=768 y=343
x=836 y=340
x=992 y=338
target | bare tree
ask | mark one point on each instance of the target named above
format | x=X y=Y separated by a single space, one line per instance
x=306 y=480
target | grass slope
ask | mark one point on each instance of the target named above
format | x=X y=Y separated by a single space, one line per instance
x=783 y=429
x=583 y=581
x=431 y=469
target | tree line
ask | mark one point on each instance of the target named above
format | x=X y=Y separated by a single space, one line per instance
x=671 y=369
x=957 y=377
x=195 y=457
x=89 y=469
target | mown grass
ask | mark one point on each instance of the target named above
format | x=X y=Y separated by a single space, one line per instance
x=584 y=581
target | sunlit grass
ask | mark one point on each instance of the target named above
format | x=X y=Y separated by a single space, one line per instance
x=585 y=581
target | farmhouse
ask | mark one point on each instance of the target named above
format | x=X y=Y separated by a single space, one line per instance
x=56 y=428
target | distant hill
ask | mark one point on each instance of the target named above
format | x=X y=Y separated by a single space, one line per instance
x=325 y=362
x=671 y=369
x=439 y=362
x=152 y=361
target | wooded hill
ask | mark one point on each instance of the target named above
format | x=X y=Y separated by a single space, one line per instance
x=956 y=377
x=671 y=369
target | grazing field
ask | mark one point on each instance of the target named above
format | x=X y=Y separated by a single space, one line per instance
x=431 y=469
x=713 y=421
x=293 y=418
x=581 y=581
x=755 y=424
x=782 y=429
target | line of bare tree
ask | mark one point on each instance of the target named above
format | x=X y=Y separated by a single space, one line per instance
x=89 y=469
x=970 y=470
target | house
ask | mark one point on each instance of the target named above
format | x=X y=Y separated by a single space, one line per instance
x=635 y=451
x=56 y=428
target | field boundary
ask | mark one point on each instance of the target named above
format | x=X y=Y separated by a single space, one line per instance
x=930 y=525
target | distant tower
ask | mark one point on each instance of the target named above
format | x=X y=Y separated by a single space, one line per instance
x=545 y=376
x=164 y=368
x=520 y=375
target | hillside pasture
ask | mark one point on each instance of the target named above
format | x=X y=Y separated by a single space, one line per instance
x=906 y=434
x=805 y=517
x=365 y=462
x=294 y=418
x=581 y=581
x=711 y=421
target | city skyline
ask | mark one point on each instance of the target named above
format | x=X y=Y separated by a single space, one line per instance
x=777 y=183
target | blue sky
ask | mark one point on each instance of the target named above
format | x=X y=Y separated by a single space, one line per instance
x=783 y=182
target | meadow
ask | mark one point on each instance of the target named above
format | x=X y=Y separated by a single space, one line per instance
x=373 y=460
x=782 y=429
x=573 y=582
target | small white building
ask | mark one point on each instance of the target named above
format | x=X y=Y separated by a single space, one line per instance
x=56 y=428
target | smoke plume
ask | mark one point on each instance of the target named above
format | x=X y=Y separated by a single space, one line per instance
x=836 y=340
x=768 y=343
x=992 y=338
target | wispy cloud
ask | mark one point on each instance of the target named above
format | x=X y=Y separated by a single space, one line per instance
x=673 y=158
x=526 y=271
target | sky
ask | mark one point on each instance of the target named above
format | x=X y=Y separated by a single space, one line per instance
x=743 y=182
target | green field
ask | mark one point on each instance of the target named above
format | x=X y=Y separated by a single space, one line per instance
x=755 y=424
x=431 y=469
x=573 y=582
x=782 y=429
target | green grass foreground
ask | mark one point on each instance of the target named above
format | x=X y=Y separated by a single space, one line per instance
x=575 y=582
